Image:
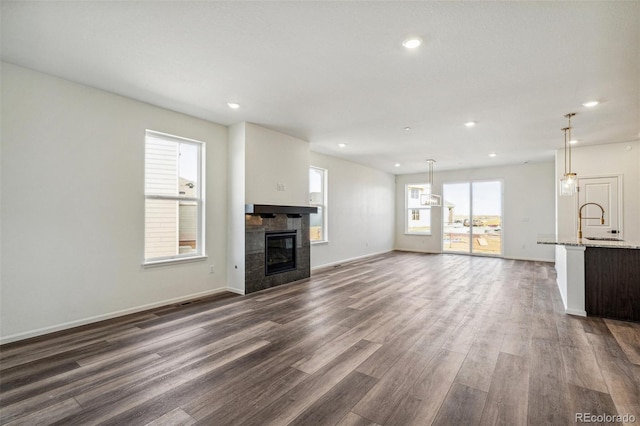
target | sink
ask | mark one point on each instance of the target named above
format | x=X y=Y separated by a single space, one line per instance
x=603 y=239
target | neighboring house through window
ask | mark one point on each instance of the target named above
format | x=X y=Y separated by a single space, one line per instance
x=417 y=216
x=174 y=202
x=318 y=198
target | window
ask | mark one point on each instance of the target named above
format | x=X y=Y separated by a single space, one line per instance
x=174 y=202
x=318 y=198
x=418 y=217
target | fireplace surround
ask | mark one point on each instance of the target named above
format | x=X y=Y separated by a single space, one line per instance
x=286 y=229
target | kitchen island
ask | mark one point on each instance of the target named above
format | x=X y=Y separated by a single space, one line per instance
x=598 y=278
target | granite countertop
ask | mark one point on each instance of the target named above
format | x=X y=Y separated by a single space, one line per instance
x=552 y=239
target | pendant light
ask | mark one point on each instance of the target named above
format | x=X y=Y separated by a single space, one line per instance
x=428 y=198
x=569 y=180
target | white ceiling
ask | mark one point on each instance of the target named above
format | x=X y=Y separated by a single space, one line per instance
x=336 y=72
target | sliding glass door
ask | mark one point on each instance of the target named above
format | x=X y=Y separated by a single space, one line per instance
x=456 y=208
x=472 y=217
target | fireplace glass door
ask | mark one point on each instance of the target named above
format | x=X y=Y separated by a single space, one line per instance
x=280 y=252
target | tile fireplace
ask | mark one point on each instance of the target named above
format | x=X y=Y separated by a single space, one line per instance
x=277 y=246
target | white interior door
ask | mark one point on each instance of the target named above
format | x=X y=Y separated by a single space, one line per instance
x=603 y=191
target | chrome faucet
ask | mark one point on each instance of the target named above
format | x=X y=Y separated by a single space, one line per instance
x=580 y=217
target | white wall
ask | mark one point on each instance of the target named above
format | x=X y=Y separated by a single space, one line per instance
x=597 y=160
x=528 y=208
x=235 y=197
x=271 y=159
x=73 y=205
x=360 y=208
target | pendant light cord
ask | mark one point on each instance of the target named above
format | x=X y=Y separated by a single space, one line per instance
x=569 y=142
x=430 y=175
x=567 y=145
x=565 y=151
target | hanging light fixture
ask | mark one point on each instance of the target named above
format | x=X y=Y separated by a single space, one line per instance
x=428 y=198
x=569 y=180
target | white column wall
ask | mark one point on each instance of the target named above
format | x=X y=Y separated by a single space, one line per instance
x=235 y=196
x=272 y=160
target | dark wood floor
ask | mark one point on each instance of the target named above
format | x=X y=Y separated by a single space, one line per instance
x=398 y=339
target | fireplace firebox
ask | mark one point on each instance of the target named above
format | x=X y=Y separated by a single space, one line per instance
x=280 y=252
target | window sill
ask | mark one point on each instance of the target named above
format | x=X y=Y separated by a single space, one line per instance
x=163 y=262
x=314 y=243
x=419 y=234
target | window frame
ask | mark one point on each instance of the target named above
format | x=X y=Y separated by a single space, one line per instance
x=323 y=205
x=408 y=194
x=199 y=199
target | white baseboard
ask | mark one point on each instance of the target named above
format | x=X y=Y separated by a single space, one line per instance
x=71 y=324
x=417 y=251
x=576 y=312
x=530 y=259
x=351 y=259
x=236 y=291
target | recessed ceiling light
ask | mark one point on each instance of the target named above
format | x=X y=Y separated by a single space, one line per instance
x=493 y=154
x=233 y=105
x=412 y=42
x=396 y=165
x=470 y=123
x=573 y=142
x=342 y=145
x=590 y=104
x=407 y=128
